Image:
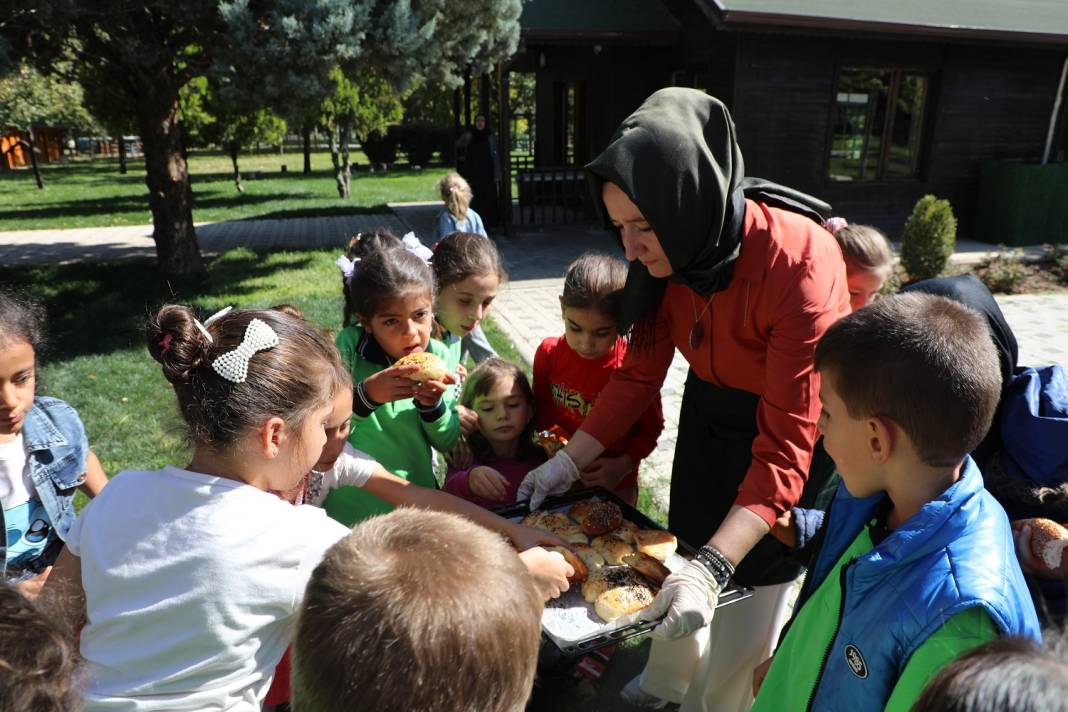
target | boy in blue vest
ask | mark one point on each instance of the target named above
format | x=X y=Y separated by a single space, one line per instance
x=914 y=564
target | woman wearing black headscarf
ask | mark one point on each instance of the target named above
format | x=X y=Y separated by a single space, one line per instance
x=739 y=276
x=482 y=170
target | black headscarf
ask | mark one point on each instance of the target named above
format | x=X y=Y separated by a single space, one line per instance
x=677 y=158
x=968 y=290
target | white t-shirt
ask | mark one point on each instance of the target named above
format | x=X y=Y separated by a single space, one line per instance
x=351 y=469
x=29 y=531
x=191 y=584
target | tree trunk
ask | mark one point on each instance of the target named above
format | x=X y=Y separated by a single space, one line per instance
x=31 y=148
x=237 y=171
x=167 y=177
x=344 y=177
x=307 y=149
x=332 y=142
x=122 y=155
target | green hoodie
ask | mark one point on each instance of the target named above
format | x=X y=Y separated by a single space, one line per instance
x=396 y=434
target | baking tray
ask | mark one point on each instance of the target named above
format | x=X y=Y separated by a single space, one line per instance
x=568 y=621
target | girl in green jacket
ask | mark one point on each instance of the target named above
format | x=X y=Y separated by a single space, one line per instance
x=396 y=420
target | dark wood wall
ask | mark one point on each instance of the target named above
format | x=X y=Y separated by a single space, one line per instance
x=989 y=103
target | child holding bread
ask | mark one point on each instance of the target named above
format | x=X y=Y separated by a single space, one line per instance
x=916 y=564
x=402 y=404
x=571 y=370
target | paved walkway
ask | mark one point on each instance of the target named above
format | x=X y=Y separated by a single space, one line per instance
x=527 y=309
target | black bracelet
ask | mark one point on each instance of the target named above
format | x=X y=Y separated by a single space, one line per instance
x=716 y=563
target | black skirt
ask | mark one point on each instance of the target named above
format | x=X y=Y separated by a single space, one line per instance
x=713 y=452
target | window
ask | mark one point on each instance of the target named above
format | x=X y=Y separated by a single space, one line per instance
x=878 y=124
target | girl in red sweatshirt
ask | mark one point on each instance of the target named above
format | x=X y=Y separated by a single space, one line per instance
x=571 y=370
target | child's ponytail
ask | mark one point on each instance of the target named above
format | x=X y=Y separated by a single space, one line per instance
x=175 y=341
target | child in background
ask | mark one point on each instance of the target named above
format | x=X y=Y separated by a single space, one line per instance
x=868 y=257
x=503 y=452
x=189 y=578
x=44 y=454
x=396 y=420
x=916 y=563
x=457 y=215
x=417 y=611
x=37 y=660
x=570 y=370
x=469 y=273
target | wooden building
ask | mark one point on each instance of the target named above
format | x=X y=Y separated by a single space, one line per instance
x=14 y=146
x=867 y=105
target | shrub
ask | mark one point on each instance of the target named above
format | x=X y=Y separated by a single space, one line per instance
x=421 y=140
x=381 y=148
x=1056 y=256
x=928 y=238
x=1005 y=272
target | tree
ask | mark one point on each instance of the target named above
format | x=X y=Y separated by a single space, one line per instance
x=355 y=109
x=110 y=106
x=29 y=99
x=282 y=49
x=211 y=115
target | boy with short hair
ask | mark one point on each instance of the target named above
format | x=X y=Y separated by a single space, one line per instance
x=917 y=564
x=417 y=610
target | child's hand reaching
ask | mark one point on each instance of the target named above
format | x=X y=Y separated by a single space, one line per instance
x=549 y=570
x=391 y=384
x=607 y=472
x=488 y=483
x=428 y=393
x=460 y=457
x=468 y=420
x=785 y=529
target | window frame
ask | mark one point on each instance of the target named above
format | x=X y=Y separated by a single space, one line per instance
x=927 y=125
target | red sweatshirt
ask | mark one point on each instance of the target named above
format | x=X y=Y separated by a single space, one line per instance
x=789 y=286
x=566 y=387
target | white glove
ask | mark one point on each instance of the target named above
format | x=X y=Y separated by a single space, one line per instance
x=689 y=597
x=552 y=477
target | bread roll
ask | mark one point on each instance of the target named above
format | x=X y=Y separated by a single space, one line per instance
x=551 y=441
x=608 y=578
x=612 y=548
x=1048 y=543
x=593 y=560
x=533 y=519
x=561 y=525
x=431 y=367
x=656 y=543
x=622 y=601
x=647 y=566
x=576 y=562
x=579 y=509
x=626 y=531
x=601 y=518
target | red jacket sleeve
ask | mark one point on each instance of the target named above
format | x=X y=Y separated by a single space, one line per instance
x=789 y=406
x=633 y=387
x=544 y=407
x=647 y=432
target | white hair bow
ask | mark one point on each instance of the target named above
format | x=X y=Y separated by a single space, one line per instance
x=412 y=244
x=347 y=266
x=233 y=365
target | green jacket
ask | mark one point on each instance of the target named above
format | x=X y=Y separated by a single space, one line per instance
x=396 y=434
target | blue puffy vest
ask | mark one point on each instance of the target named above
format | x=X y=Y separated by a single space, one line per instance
x=955 y=553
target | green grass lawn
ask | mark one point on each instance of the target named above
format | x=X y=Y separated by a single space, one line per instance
x=92 y=193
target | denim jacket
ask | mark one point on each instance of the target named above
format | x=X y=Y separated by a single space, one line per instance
x=56 y=449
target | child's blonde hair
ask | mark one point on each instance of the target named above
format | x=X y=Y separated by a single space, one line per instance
x=456 y=194
x=417 y=610
x=864 y=248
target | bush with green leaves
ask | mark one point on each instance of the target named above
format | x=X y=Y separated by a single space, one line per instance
x=381 y=148
x=1005 y=272
x=928 y=238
